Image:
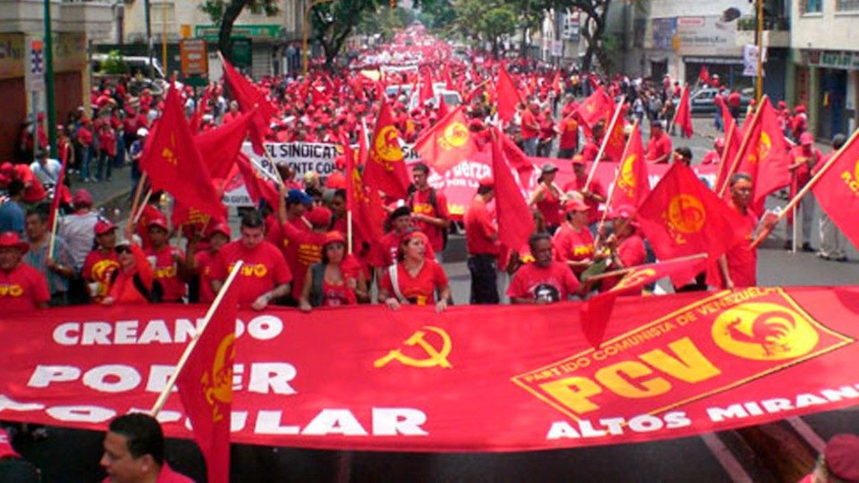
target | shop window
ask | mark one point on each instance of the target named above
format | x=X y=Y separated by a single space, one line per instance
x=847 y=5
x=812 y=6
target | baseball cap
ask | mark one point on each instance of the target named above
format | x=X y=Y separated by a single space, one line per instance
x=82 y=198
x=319 y=217
x=548 y=168
x=222 y=228
x=296 y=195
x=486 y=181
x=578 y=159
x=103 y=226
x=143 y=132
x=333 y=237
x=841 y=456
x=806 y=139
x=159 y=221
x=575 y=204
x=10 y=239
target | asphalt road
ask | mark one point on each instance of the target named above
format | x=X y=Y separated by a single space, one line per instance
x=72 y=455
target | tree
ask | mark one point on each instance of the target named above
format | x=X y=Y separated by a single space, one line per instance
x=593 y=29
x=225 y=13
x=334 y=22
x=496 y=23
x=437 y=15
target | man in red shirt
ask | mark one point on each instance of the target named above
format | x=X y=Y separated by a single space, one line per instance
x=34 y=191
x=481 y=241
x=264 y=275
x=738 y=267
x=568 y=143
x=544 y=281
x=134 y=451
x=308 y=246
x=803 y=159
x=22 y=287
x=593 y=195
x=102 y=262
x=659 y=147
x=714 y=156
x=429 y=209
x=734 y=105
x=530 y=129
x=170 y=270
x=592 y=146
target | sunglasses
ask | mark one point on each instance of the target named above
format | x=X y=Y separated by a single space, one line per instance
x=122 y=249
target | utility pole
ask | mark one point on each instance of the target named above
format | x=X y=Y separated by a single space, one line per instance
x=49 y=85
x=759 y=40
x=149 y=38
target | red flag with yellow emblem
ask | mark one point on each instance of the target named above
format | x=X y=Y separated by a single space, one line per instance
x=173 y=163
x=837 y=190
x=447 y=143
x=596 y=312
x=368 y=216
x=765 y=156
x=598 y=106
x=631 y=185
x=206 y=386
x=386 y=167
x=683 y=217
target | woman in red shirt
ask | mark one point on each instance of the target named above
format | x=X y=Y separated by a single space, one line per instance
x=336 y=280
x=414 y=278
x=135 y=281
x=547 y=197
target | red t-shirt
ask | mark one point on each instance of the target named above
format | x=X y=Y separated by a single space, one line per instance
x=420 y=289
x=553 y=283
x=480 y=231
x=34 y=192
x=22 y=288
x=385 y=251
x=712 y=157
x=264 y=269
x=166 y=475
x=595 y=188
x=420 y=204
x=569 y=134
x=204 y=262
x=530 y=128
x=167 y=273
x=743 y=260
x=550 y=208
x=99 y=268
x=659 y=146
x=337 y=295
x=571 y=245
x=802 y=174
x=631 y=252
x=590 y=151
x=150 y=212
x=306 y=250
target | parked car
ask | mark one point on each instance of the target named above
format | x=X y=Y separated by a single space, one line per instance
x=702 y=100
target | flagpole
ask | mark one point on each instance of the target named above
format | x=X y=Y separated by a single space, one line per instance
x=745 y=142
x=134 y=219
x=135 y=203
x=624 y=271
x=613 y=186
x=722 y=159
x=606 y=136
x=349 y=231
x=808 y=186
x=677 y=108
x=165 y=393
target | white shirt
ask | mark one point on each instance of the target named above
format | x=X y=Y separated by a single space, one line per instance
x=49 y=173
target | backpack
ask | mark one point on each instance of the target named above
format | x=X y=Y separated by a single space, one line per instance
x=434 y=203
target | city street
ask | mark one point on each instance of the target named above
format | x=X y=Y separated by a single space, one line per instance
x=72 y=455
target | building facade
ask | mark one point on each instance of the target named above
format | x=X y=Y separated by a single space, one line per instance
x=824 y=58
x=75 y=25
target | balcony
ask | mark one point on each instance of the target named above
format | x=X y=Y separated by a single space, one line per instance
x=94 y=17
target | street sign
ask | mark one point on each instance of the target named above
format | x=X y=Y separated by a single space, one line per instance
x=35 y=65
x=194 y=59
x=242 y=52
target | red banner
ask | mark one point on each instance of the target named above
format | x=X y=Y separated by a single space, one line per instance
x=471 y=379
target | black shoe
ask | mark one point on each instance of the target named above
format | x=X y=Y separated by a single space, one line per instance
x=806 y=247
x=788 y=244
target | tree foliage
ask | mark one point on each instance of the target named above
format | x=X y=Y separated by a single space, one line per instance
x=437 y=15
x=496 y=23
x=593 y=29
x=225 y=13
x=385 y=21
x=333 y=23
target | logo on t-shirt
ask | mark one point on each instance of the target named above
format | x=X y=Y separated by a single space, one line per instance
x=547 y=293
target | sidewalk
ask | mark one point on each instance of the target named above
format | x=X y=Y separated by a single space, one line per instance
x=109 y=196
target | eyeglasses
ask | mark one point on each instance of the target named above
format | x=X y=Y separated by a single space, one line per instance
x=122 y=249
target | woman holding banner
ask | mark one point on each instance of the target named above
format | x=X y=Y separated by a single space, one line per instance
x=414 y=278
x=336 y=280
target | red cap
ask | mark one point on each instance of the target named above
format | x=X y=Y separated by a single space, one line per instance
x=103 y=226
x=222 y=228
x=10 y=239
x=333 y=237
x=842 y=457
x=578 y=159
x=82 y=198
x=575 y=204
x=319 y=217
x=806 y=139
x=159 y=221
x=6 y=449
x=486 y=181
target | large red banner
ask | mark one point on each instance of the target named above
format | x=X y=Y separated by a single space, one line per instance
x=471 y=379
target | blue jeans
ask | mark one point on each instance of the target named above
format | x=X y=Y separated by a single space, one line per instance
x=530 y=147
x=104 y=160
x=87 y=152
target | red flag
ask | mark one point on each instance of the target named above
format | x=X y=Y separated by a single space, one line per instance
x=443 y=110
x=197 y=118
x=446 y=144
x=448 y=82
x=386 y=168
x=765 y=156
x=173 y=163
x=733 y=142
x=258 y=186
x=596 y=312
x=507 y=95
x=837 y=190
x=426 y=93
x=595 y=108
x=631 y=186
x=683 y=118
x=615 y=144
x=517 y=160
x=556 y=83
x=219 y=147
x=206 y=387
x=684 y=217
x=368 y=216
x=194 y=220
x=247 y=95
x=515 y=224
x=704 y=76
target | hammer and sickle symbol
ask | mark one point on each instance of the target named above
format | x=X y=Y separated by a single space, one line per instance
x=436 y=357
